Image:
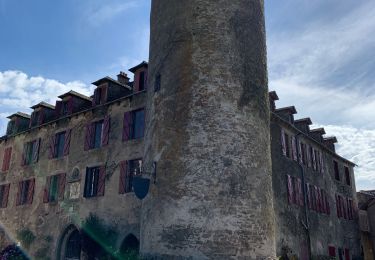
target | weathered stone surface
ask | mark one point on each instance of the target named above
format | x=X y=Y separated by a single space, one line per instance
x=208 y=131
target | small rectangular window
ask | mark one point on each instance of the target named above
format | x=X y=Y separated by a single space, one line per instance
x=347 y=175
x=98 y=132
x=138 y=124
x=30 y=150
x=91 y=183
x=141 y=81
x=65 y=108
x=25 y=192
x=4 y=194
x=129 y=169
x=59 y=146
x=11 y=129
x=336 y=169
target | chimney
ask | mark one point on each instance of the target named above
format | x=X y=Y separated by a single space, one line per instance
x=287 y=113
x=329 y=142
x=317 y=134
x=273 y=97
x=123 y=78
x=303 y=124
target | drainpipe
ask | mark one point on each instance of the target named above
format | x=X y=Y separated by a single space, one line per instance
x=306 y=224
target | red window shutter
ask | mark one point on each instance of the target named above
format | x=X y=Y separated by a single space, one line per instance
x=23 y=156
x=36 y=150
x=347 y=254
x=18 y=197
x=103 y=97
x=61 y=182
x=127 y=126
x=308 y=156
x=30 y=192
x=52 y=145
x=46 y=190
x=58 y=109
x=106 y=127
x=332 y=251
x=68 y=135
x=122 y=181
x=88 y=136
x=6 y=159
x=294 y=148
x=290 y=190
x=4 y=202
x=300 y=152
x=283 y=142
x=70 y=105
x=101 y=182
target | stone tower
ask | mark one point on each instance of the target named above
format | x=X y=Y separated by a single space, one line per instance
x=208 y=130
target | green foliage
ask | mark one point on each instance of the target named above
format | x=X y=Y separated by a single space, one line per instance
x=26 y=236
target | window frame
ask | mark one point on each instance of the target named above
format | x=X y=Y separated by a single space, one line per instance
x=134 y=135
x=336 y=170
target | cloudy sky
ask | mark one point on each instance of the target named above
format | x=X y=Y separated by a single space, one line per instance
x=321 y=57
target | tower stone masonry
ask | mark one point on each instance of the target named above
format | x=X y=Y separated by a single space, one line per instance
x=208 y=131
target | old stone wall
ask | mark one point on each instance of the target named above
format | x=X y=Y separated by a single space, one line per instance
x=324 y=229
x=51 y=219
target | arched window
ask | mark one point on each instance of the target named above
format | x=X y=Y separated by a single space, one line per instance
x=130 y=246
x=69 y=247
x=73 y=246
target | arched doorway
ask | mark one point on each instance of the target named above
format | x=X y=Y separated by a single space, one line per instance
x=70 y=244
x=130 y=247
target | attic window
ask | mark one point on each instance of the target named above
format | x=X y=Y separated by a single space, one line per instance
x=142 y=81
x=11 y=127
x=347 y=175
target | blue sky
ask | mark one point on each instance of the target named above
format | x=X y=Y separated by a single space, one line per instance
x=321 y=57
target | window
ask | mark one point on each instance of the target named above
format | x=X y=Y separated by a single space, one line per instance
x=134 y=122
x=347 y=175
x=100 y=95
x=60 y=144
x=128 y=169
x=97 y=134
x=6 y=159
x=11 y=129
x=31 y=152
x=336 y=169
x=64 y=108
x=35 y=117
x=25 y=192
x=141 y=81
x=4 y=194
x=55 y=188
x=95 y=181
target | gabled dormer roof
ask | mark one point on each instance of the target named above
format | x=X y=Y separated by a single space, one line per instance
x=43 y=104
x=19 y=114
x=109 y=79
x=305 y=120
x=140 y=65
x=318 y=130
x=290 y=109
x=76 y=94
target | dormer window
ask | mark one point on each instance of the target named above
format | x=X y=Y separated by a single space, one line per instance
x=35 y=118
x=11 y=129
x=141 y=81
x=100 y=95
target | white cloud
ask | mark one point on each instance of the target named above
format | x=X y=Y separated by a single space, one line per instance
x=358 y=146
x=18 y=92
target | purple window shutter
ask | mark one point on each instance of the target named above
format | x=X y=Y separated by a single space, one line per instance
x=68 y=135
x=4 y=202
x=88 y=137
x=127 y=126
x=300 y=196
x=36 y=150
x=58 y=109
x=61 y=182
x=294 y=148
x=290 y=190
x=101 y=181
x=103 y=97
x=323 y=198
x=337 y=206
x=46 y=190
x=283 y=142
x=308 y=195
x=52 y=145
x=30 y=192
x=122 y=181
x=106 y=126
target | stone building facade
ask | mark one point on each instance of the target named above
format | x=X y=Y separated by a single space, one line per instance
x=229 y=175
x=313 y=187
x=366 y=205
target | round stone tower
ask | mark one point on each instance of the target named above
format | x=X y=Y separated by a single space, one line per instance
x=207 y=128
